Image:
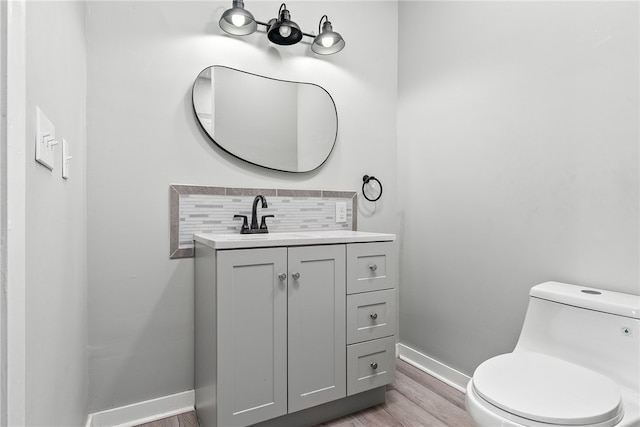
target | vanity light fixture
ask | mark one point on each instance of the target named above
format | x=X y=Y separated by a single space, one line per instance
x=238 y=21
x=282 y=30
x=328 y=41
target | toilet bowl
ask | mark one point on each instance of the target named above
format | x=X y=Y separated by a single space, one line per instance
x=576 y=363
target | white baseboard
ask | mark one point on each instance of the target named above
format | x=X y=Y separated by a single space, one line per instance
x=444 y=373
x=144 y=412
x=168 y=406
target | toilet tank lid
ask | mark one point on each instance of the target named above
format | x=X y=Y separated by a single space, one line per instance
x=589 y=298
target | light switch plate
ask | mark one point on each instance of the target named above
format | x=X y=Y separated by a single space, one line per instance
x=65 y=159
x=45 y=140
x=341 y=212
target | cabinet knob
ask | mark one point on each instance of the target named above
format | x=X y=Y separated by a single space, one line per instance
x=295 y=275
x=282 y=276
x=374 y=316
x=373 y=267
x=374 y=365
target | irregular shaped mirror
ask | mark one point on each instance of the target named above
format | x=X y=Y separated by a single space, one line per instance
x=278 y=124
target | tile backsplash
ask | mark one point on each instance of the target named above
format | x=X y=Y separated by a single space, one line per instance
x=199 y=209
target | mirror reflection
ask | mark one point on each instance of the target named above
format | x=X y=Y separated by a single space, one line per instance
x=278 y=124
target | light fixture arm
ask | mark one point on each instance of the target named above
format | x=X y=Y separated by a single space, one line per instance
x=267 y=25
x=325 y=17
x=264 y=24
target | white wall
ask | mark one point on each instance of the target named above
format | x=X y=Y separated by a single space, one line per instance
x=143 y=58
x=518 y=163
x=56 y=285
x=517 y=159
x=3 y=214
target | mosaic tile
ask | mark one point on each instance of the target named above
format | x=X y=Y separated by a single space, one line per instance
x=197 y=209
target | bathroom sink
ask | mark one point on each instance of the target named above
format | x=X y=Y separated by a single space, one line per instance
x=270 y=236
x=293 y=238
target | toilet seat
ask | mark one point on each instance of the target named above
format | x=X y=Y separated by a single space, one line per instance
x=542 y=388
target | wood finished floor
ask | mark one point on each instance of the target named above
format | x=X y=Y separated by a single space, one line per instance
x=414 y=399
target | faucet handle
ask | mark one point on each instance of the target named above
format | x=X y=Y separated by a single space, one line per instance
x=245 y=226
x=263 y=221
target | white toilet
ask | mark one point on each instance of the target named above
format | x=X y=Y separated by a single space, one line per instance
x=576 y=363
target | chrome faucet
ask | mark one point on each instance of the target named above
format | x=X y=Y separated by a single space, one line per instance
x=254 y=228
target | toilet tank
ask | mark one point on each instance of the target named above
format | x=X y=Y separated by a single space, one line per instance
x=594 y=328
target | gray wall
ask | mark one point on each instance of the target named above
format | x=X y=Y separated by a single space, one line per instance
x=56 y=276
x=142 y=60
x=517 y=156
x=518 y=163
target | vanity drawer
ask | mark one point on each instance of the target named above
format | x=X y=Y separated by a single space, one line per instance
x=370 y=364
x=371 y=315
x=370 y=267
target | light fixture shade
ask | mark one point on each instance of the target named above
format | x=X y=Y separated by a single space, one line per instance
x=274 y=33
x=238 y=21
x=328 y=41
x=284 y=31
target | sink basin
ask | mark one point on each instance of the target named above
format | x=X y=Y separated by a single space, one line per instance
x=293 y=238
x=267 y=236
x=251 y=236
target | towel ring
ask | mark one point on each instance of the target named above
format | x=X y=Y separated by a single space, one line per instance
x=365 y=181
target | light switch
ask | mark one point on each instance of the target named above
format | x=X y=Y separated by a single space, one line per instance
x=45 y=140
x=341 y=212
x=66 y=158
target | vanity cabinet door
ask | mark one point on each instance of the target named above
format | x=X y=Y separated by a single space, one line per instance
x=317 y=337
x=252 y=335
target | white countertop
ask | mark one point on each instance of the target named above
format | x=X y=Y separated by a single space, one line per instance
x=238 y=241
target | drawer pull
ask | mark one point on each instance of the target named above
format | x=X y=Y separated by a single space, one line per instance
x=374 y=316
x=295 y=275
x=374 y=365
x=282 y=276
x=373 y=267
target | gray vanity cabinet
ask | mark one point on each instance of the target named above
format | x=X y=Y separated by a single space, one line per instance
x=371 y=316
x=252 y=336
x=270 y=331
x=292 y=330
x=316 y=327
